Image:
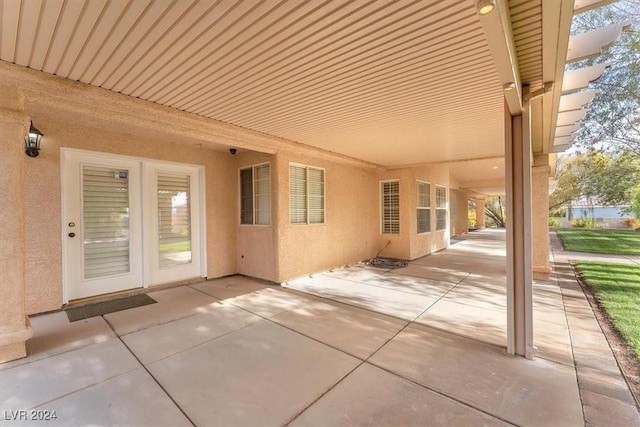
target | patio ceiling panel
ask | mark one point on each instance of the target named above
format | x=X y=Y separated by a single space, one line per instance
x=526 y=22
x=393 y=83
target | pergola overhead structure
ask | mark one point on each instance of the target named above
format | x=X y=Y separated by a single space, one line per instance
x=391 y=83
x=475 y=88
x=386 y=82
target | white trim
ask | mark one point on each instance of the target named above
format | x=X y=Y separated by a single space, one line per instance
x=324 y=194
x=381 y=208
x=419 y=181
x=253 y=185
x=145 y=166
x=446 y=207
x=63 y=230
x=203 y=222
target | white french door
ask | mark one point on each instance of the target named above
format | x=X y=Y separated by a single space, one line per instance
x=128 y=223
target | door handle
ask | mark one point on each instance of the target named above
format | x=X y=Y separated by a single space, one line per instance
x=72 y=234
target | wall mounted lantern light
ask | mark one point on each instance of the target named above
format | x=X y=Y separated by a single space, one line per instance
x=32 y=141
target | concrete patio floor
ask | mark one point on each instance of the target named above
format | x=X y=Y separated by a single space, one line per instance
x=423 y=345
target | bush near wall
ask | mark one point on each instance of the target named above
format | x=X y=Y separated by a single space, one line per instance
x=554 y=222
x=584 y=223
x=472 y=219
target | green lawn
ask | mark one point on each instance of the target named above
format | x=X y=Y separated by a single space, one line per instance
x=600 y=241
x=617 y=287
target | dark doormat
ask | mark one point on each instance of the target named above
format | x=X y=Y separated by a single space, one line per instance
x=105 y=307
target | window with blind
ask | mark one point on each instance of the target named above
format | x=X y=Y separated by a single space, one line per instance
x=390 y=196
x=174 y=219
x=306 y=195
x=441 y=207
x=105 y=212
x=423 y=206
x=453 y=209
x=255 y=195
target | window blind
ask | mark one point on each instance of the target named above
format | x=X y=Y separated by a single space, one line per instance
x=297 y=194
x=441 y=208
x=423 y=204
x=105 y=211
x=316 y=196
x=390 y=207
x=263 y=195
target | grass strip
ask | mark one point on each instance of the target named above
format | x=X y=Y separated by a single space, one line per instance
x=617 y=288
x=615 y=242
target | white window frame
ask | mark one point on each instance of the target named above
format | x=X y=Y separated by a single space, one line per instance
x=423 y=208
x=453 y=205
x=307 y=215
x=254 y=216
x=441 y=206
x=383 y=226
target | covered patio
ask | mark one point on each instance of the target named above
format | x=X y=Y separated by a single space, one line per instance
x=423 y=345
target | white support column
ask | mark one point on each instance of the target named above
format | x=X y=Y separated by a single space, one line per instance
x=519 y=246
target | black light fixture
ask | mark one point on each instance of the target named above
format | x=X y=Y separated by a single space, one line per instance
x=32 y=141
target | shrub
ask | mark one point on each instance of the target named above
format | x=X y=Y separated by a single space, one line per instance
x=554 y=222
x=584 y=223
x=631 y=223
x=558 y=213
x=472 y=219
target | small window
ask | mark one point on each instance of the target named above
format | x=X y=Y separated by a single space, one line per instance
x=423 y=206
x=255 y=195
x=306 y=195
x=390 y=195
x=441 y=208
x=453 y=209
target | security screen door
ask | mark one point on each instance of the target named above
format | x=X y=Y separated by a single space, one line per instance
x=128 y=223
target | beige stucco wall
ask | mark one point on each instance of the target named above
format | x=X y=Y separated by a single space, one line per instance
x=460 y=223
x=350 y=229
x=277 y=253
x=43 y=198
x=14 y=325
x=257 y=254
x=409 y=244
x=83 y=117
x=540 y=217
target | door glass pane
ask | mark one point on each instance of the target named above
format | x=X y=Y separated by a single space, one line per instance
x=105 y=213
x=174 y=220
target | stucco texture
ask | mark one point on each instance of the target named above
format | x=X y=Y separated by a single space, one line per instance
x=409 y=244
x=82 y=117
x=350 y=231
x=14 y=325
x=257 y=254
x=43 y=274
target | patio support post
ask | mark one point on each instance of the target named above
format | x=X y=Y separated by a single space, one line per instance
x=480 y=223
x=540 y=215
x=519 y=257
x=15 y=328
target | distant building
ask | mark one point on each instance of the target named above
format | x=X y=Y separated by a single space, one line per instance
x=604 y=216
